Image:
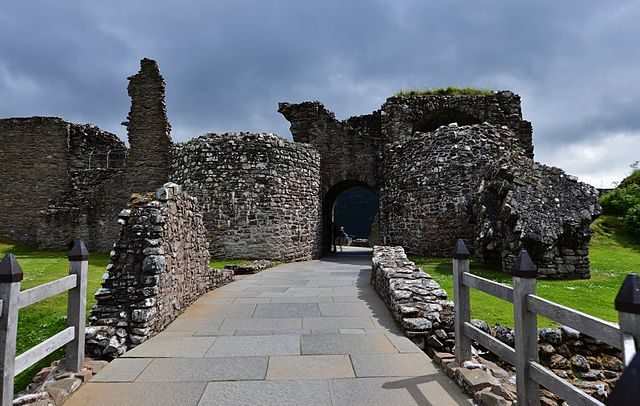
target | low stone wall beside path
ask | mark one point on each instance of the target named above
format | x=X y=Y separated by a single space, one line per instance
x=421 y=309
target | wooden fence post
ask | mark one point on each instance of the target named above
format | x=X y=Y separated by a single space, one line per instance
x=10 y=277
x=462 y=301
x=77 y=305
x=627 y=304
x=526 y=329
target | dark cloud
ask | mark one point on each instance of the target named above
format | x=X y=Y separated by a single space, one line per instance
x=228 y=63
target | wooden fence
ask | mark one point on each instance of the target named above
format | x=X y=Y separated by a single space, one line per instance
x=530 y=374
x=12 y=300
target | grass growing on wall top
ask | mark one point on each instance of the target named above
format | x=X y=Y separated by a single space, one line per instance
x=445 y=91
x=613 y=255
x=44 y=319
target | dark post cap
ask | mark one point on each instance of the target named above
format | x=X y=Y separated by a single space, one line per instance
x=78 y=252
x=524 y=266
x=460 y=250
x=628 y=297
x=10 y=270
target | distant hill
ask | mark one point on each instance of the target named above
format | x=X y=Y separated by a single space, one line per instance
x=355 y=209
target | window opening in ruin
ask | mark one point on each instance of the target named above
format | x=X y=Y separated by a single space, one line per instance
x=355 y=208
x=434 y=119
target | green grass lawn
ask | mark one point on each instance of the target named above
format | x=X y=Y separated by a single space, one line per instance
x=42 y=320
x=613 y=255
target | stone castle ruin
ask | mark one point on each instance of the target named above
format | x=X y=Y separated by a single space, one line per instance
x=443 y=167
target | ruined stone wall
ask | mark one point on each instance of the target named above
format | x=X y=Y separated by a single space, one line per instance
x=159 y=266
x=259 y=193
x=431 y=178
x=55 y=190
x=148 y=129
x=34 y=156
x=526 y=205
x=349 y=149
x=403 y=115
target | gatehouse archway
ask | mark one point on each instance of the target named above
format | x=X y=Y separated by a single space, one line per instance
x=352 y=204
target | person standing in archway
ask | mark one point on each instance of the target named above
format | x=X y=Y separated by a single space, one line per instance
x=342 y=237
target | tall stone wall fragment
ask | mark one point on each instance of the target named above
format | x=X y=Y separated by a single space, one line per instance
x=148 y=129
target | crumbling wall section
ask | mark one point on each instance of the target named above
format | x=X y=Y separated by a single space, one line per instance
x=159 y=266
x=34 y=156
x=349 y=149
x=260 y=194
x=57 y=193
x=87 y=207
x=148 y=129
x=522 y=204
x=431 y=178
x=403 y=115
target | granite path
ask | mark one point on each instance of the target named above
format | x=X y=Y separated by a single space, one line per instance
x=306 y=333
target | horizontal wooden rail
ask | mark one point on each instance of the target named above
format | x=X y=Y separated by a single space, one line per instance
x=494 y=345
x=35 y=354
x=560 y=387
x=46 y=290
x=599 y=329
x=490 y=287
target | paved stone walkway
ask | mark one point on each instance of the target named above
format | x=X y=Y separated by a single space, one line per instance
x=308 y=333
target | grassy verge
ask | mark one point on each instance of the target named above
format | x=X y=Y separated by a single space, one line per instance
x=42 y=320
x=445 y=91
x=613 y=255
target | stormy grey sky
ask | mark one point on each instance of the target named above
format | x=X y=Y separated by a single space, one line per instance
x=227 y=64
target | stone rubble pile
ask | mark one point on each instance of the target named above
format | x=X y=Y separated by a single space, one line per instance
x=250 y=268
x=53 y=385
x=421 y=310
x=159 y=266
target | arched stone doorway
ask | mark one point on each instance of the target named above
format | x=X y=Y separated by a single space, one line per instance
x=356 y=201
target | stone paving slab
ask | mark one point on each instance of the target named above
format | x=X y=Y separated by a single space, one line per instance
x=430 y=390
x=337 y=322
x=346 y=344
x=268 y=393
x=251 y=300
x=374 y=365
x=359 y=309
x=310 y=367
x=216 y=311
x=402 y=343
x=302 y=299
x=205 y=369
x=269 y=310
x=122 y=370
x=278 y=323
x=193 y=324
x=178 y=347
x=138 y=394
x=239 y=346
x=214 y=300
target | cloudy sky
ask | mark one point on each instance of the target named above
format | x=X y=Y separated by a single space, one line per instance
x=227 y=63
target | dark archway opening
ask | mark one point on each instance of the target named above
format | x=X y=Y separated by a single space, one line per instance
x=434 y=119
x=351 y=204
